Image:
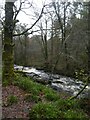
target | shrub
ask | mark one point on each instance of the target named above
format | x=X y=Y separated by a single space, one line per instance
x=81 y=75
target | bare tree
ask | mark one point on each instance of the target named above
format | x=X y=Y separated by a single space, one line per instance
x=62 y=24
x=88 y=48
x=44 y=45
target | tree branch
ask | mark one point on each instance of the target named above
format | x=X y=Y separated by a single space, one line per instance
x=17 y=11
x=73 y=97
x=32 y=25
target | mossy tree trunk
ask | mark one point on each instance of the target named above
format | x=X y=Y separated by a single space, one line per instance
x=8 y=57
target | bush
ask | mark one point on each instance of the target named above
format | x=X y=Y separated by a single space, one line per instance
x=81 y=75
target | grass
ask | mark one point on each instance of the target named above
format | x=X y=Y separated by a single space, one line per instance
x=48 y=103
x=74 y=114
x=11 y=100
x=45 y=110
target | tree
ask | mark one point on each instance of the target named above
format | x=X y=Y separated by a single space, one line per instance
x=21 y=45
x=62 y=23
x=88 y=48
x=44 y=45
x=9 y=24
x=8 y=61
x=87 y=78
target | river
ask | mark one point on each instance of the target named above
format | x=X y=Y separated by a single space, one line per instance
x=58 y=82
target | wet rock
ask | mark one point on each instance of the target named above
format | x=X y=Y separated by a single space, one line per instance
x=56 y=76
x=57 y=82
x=19 y=68
x=30 y=74
x=56 y=88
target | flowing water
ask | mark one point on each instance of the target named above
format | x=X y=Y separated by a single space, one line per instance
x=58 y=82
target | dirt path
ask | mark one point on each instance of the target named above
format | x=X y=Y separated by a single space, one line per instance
x=19 y=109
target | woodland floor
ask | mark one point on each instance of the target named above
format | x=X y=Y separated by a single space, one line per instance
x=22 y=107
x=17 y=110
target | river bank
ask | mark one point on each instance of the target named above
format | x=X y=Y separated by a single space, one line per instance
x=56 y=81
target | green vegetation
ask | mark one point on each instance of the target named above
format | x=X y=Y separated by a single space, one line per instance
x=67 y=49
x=36 y=90
x=48 y=103
x=53 y=110
x=81 y=75
x=4 y=83
x=74 y=114
x=11 y=100
x=45 y=110
x=51 y=95
x=31 y=98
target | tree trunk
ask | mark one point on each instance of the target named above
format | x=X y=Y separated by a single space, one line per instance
x=89 y=37
x=64 y=37
x=46 y=52
x=25 y=53
x=8 y=57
